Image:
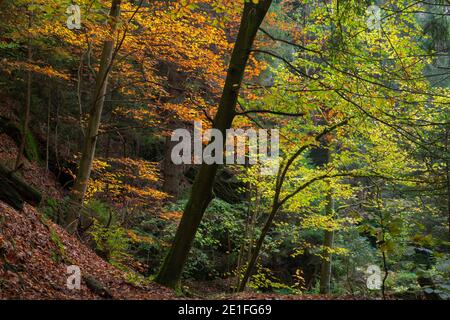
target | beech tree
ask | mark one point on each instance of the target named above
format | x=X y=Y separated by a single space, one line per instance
x=98 y=100
x=252 y=17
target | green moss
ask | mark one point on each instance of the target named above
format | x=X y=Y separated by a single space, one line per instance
x=31 y=148
x=60 y=252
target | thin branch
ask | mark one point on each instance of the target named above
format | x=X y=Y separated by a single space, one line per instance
x=281 y=113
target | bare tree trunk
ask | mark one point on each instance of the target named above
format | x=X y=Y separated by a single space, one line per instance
x=201 y=194
x=47 y=142
x=250 y=223
x=90 y=139
x=26 y=116
x=447 y=176
x=257 y=249
x=325 y=270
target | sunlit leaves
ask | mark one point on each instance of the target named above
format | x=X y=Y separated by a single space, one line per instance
x=127 y=182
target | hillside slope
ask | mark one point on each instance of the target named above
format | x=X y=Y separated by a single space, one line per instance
x=35 y=252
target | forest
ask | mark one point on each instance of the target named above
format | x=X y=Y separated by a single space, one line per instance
x=225 y=149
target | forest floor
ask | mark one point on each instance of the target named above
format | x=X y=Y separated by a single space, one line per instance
x=35 y=254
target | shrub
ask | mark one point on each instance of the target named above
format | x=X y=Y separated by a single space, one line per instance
x=215 y=246
x=110 y=242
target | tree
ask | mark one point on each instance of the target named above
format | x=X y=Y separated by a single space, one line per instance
x=90 y=139
x=282 y=196
x=328 y=238
x=26 y=114
x=252 y=17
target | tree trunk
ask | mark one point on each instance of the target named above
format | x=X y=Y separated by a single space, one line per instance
x=250 y=224
x=90 y=139
x=447 y=177
x=201 y=194
x=257 y=249
x=97 y=287
x=26 y=114
x=325 y=268
x=325 y=271
x=47 y=138
x=14 y=191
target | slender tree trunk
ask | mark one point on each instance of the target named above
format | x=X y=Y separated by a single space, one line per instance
x=58 y=102
x=252 y=227
x=383 y=240
x=90 y=139
x=325 y=271
x=250 y=221
x=325 y=268
x=447 y=176
x=201 y=194
x=47 y=142
x=386 y=274
x=257 y=249
x=26 y=115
